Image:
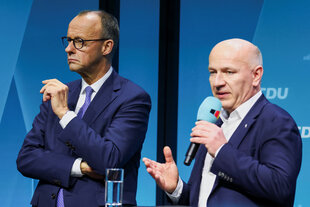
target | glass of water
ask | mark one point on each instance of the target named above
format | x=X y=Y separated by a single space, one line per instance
x=114 y=187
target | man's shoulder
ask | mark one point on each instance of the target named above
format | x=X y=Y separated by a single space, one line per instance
x=130 y=87
x=273 y=120
x=74 y=83
x=272 y=111
x=130 y=92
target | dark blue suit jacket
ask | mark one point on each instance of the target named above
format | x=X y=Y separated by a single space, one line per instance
x=257 y=167
x=111 y=134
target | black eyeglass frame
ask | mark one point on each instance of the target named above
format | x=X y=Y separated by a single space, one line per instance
x=79 y=40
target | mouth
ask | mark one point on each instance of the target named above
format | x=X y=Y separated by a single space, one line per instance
x=72 y=60
x=222 y=95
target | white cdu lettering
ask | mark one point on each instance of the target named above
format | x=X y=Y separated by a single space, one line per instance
x=272 y=93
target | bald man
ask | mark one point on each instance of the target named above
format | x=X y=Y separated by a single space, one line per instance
x=252 y=155
x=88 y=125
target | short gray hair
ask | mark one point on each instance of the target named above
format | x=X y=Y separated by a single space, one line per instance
x=110 y=28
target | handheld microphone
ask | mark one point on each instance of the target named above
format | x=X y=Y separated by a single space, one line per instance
x=209 y=110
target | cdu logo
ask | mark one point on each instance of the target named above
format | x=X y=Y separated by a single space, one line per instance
x=215 y=113
x=272 y=93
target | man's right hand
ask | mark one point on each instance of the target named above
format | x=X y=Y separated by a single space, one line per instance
x=57 y=92
x=166 y=174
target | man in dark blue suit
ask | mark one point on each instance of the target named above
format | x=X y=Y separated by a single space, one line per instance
x=87 y=125
x=252 y=155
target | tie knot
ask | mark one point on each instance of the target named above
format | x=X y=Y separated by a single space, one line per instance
x=88 y=91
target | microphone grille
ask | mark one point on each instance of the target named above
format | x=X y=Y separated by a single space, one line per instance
x=209 y=110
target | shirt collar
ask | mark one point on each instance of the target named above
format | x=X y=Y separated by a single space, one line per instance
x=97 y=85
x=242 y=110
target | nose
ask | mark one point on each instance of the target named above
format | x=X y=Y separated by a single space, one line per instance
x=70 y=48
x=219 y=80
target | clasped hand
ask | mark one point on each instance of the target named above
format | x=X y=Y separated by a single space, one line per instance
x=87 y=170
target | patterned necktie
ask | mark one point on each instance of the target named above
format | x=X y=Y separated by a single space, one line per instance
x=60 y=198
x=89 y=91
x=82 y=110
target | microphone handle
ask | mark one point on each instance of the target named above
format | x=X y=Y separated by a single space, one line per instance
x=191 y=152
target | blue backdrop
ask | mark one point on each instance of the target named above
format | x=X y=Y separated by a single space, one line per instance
x=281 y=30
x=32 y=51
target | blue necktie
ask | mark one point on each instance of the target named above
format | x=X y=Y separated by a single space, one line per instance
x=89 y=91
x=60 y=198
x=82 y=110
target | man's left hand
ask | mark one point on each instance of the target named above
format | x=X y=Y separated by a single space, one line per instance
x=209 y=135
x=57 y=92
x=87 y=170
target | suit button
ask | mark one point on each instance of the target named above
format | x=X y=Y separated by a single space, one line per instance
x=68 y=144
x=53 y=196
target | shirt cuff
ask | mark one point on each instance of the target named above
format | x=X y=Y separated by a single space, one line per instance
x=67 y=118
x=76 y=168
x=175 y=196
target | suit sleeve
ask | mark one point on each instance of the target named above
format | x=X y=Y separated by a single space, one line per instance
x=269 y=169
x=36 y=160
x=121 y=140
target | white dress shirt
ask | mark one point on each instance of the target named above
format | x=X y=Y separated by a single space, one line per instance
x=76 y=170
x=230 y=124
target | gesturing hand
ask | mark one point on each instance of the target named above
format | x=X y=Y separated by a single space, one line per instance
x=166 y=174
x=57 y=92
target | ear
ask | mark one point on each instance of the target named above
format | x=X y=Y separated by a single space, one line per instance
x=107 y=47
x=257 y=75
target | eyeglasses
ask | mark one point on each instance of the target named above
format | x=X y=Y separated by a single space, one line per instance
x=78 y=43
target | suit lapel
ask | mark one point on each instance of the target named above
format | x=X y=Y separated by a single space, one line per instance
x=106 y=94
x=198 y=168
x=244 y=127
x=74 y=93
x=247 y=122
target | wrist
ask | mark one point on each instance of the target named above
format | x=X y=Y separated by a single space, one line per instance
x=62 y=113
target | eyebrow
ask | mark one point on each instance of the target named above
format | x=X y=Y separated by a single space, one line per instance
x=78 y=37
x=224 y=68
